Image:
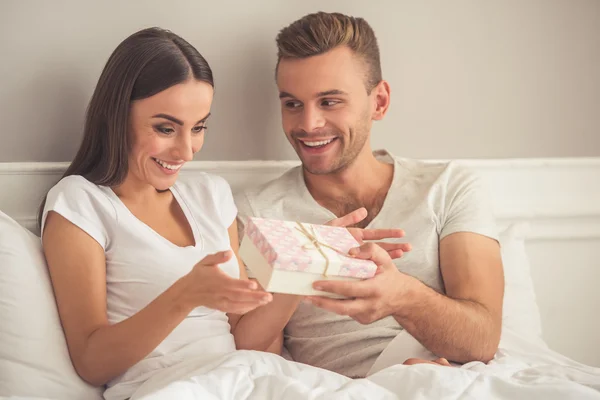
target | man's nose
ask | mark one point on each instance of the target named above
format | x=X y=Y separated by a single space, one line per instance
x=311 y=119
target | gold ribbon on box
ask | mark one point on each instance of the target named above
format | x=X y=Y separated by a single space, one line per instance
x=317 y=244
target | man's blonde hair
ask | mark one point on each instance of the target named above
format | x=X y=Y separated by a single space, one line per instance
x=320 y=32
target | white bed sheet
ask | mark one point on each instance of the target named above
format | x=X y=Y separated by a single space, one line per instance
x=521 y=370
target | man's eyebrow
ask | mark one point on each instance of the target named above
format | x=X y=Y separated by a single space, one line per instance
x=332 y=92
x=283 y=95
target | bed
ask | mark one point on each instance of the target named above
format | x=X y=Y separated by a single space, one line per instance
x=549 y=212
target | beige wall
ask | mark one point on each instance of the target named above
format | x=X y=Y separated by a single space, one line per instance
x=470 y=79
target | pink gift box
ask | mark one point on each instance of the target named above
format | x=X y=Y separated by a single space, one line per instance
x=288 y=256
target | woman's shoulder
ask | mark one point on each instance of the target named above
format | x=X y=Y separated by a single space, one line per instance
x=74 y=184
x=84 y=204
x=79 y=193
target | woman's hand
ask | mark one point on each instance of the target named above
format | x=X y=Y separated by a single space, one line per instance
x=207 y=285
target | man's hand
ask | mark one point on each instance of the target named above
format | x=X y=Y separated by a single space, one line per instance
x=440 y=361
x=395 y=250
x=371 y=299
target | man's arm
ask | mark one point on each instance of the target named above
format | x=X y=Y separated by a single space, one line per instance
x=463 y=325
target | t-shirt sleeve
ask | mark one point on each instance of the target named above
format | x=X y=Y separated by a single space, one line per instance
x=80 y=202
x=468 y=206
x=224 y=197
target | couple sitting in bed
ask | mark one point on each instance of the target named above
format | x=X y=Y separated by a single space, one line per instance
x=145 y=268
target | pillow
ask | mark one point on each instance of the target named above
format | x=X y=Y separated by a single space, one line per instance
x=34 y=359
x=521 y=312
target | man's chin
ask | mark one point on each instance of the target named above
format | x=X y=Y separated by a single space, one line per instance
x=322 y=169
x=324 y=164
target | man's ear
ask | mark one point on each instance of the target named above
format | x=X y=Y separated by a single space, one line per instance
x=381 y=96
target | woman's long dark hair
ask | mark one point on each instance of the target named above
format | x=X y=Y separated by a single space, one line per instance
x=144 y=64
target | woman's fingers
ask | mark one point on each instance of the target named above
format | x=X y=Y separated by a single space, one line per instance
x=257 y=296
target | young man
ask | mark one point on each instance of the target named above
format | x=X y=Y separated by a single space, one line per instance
x=447 y=292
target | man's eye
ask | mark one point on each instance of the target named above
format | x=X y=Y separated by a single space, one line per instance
x=292 y=104
x=329 y=103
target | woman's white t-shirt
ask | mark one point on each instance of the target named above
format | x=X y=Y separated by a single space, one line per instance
x=141 y=264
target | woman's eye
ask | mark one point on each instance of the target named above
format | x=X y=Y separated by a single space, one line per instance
x=199 y=129
x=165 y=130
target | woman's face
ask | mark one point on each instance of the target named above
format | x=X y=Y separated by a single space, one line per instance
x=166 y=130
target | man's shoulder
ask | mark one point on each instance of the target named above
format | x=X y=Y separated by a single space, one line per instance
x=431 y=173
x=253 y=199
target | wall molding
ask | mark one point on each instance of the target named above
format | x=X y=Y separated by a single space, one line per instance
x=558 y=197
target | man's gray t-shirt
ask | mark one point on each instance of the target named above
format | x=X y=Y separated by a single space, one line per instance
x=428 y=200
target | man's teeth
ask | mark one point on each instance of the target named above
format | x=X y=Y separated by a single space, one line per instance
x=167 y=166
x=315 y=144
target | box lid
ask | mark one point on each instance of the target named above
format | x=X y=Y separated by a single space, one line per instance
x=295 y=246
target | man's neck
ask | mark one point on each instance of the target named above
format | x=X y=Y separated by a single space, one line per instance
x=363 y=183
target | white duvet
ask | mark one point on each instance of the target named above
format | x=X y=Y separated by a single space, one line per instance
x=520 y=370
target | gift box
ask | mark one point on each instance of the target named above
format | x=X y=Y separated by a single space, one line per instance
x=288 y=256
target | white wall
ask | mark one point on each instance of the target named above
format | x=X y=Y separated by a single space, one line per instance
x=470 y=79
x=560 y=269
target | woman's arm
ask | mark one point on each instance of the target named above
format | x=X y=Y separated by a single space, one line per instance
x=262 y=328
x=100 y=351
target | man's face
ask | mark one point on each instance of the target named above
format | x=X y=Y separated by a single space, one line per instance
x=326 y=111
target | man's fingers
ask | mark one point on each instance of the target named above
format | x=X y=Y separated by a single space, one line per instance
x=395 y=250
x=443 y=361
x=378 y=234
x=414 y=361
x=338 y=306
x=345 y=288
x=394 y=246
x=394 y=254
x=371 y=251
x=439 y=361
x=349 y=219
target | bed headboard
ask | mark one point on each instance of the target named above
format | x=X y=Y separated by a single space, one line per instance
x=560 y=198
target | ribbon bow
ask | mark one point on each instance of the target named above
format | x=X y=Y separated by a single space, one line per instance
x=318 y=245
